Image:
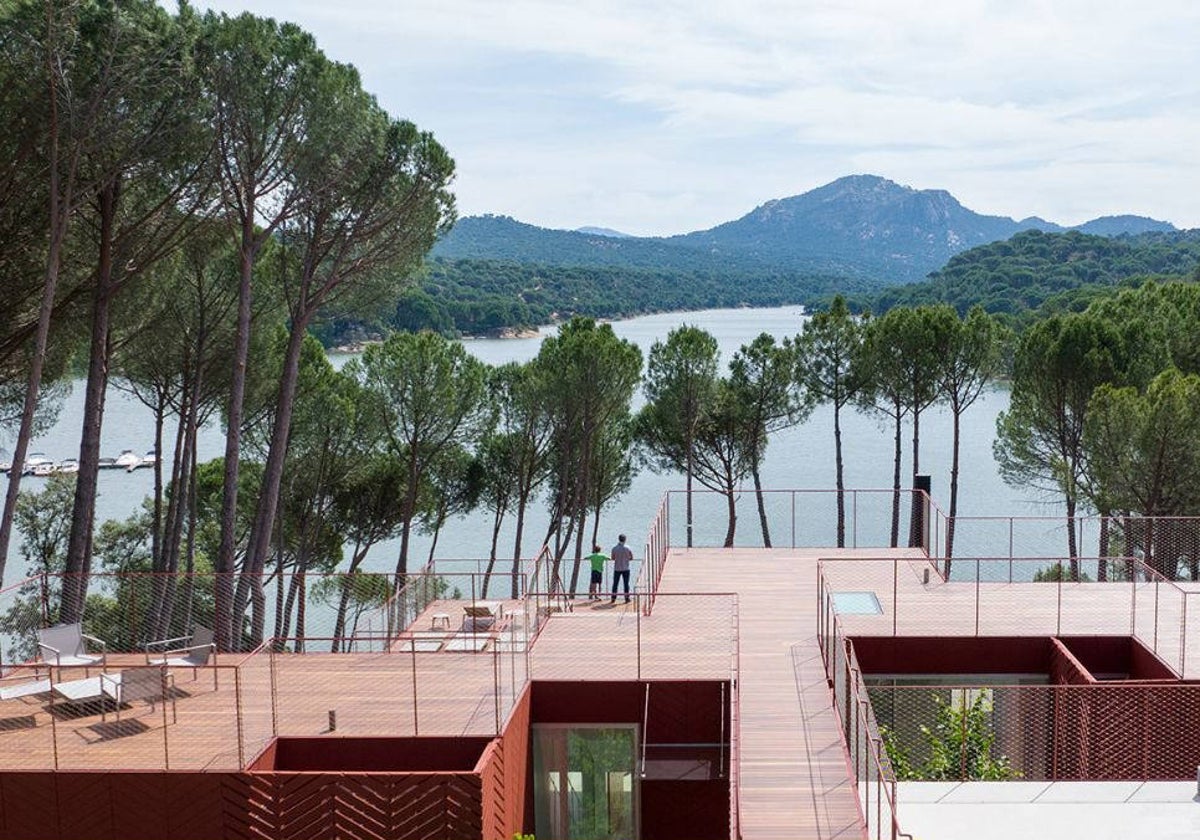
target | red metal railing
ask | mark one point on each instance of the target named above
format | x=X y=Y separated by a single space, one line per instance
x=1025 y=596
x=875 y=782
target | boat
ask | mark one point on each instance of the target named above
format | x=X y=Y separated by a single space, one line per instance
x=127 y=460
x=106 y=463
x=67 y=465
x=147 y=460
x=44 y=469
x=35 y=462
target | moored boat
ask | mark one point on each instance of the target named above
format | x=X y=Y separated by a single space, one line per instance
x=128 y=459
x=35 y=462
x=67 y=465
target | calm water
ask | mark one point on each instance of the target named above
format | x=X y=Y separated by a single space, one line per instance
x=798 y=458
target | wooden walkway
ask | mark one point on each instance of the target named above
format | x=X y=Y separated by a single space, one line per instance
x=795 y=778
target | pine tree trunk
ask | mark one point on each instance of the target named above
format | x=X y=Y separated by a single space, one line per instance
x=59 y=208
x=268 y=499
x=225 y=631
x=83 y=513
x=762 y=510
x=953 y=492
x=896 y=484
x=841 y=477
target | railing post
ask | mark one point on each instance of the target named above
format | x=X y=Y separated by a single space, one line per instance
x=977 y=565
x=1183 y=639
x=274 y=693
x=638 y=621
x=237 y=694
x=895 y=596
x=854 y=530
x=1156 y=614
x=1010 y=538
x=1058 y=609
x=793 y=519
x=416 y=716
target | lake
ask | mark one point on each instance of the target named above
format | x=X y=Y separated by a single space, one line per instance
x=797 y=458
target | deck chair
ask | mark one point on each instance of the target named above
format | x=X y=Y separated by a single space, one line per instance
x=194 y=654
x=66 y=644
x=150 y=683
x=481 y=615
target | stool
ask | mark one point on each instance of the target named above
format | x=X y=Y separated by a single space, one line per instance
x=440 y=618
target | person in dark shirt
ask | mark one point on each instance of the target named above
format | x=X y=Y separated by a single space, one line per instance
x=621 y=556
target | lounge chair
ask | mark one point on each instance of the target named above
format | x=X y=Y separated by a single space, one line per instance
x=23 y=682
x=66 y=644
x=481 y=615
x=150 y=683
x=194 y=653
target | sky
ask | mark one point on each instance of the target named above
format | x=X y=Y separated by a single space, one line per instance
x=657 y=118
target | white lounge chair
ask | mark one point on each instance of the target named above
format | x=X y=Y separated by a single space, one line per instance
x=151 y=684
x=66 y=644
x=195 y=652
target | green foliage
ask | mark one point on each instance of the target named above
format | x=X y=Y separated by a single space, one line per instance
x=488 y=297
x=1057 y=573
x=1143 y=448
x=958 y=745
x=1013 y=278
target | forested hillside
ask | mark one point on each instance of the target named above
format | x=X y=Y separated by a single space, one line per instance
x=1020 y=274
x=477 y=297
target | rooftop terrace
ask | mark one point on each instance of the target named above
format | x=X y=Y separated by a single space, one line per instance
x=804 y=760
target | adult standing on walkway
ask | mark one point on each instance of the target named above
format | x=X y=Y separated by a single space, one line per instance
x=621 y=556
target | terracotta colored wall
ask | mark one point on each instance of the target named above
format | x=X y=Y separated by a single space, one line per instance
x=262 y=806
x=1118 y=655
x=680 y=712
x=506 y=771
x=1065 y=669
x=371 y=754
x=121 y=806
x=952 y=654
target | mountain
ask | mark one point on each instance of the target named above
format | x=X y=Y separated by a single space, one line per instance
x=602 y=231
x=501 y=238
x=862 y=228
x=1119 y=225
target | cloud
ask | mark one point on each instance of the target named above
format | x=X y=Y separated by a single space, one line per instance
x=670 y=116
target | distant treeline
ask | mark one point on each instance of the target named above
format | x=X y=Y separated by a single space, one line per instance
x=1052 y=271
x=1031 y=272
x=478 y=297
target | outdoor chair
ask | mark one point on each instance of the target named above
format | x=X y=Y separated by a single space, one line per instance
x=481 y=615
x=149 y=683
x=195 y=652
x=66 y=644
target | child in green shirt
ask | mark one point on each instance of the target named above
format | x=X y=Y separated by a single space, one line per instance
x=597 y=558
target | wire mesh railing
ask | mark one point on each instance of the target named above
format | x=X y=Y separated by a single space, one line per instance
x=658 y=542
x=443 y=666
x=803 y=519
x=1092 y=732
x=1021 y=597
x=875 y=780
x=1169 y=545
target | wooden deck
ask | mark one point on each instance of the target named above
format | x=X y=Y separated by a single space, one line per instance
x=794 y=777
